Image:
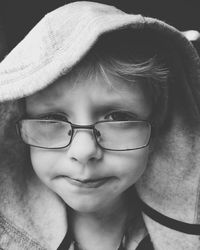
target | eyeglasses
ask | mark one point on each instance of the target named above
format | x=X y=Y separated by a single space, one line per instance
x=109 y=135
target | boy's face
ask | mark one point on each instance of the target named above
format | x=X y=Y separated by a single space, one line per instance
x=85 y=176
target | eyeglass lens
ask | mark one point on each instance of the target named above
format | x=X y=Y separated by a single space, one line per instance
x=123 y=135
x=46 y=133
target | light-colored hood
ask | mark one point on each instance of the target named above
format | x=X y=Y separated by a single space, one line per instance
x=170 y=184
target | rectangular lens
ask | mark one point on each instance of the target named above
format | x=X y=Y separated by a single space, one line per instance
x=45 y=133
x=123 y=135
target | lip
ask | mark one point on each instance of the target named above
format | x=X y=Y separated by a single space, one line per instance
x=88 y=183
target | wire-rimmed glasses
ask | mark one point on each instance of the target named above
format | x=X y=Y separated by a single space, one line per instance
x=109 y=135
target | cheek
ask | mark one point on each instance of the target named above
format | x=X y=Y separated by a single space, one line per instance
x=131 y=165
x=43 y=163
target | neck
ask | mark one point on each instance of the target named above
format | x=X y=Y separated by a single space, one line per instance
x=102 y=230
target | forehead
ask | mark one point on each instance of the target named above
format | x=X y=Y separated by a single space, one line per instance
x=67 y=92
x=69 y=86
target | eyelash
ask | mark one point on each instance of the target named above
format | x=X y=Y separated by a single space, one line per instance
x=115 y=116
x=53 y=116
x=128 y=116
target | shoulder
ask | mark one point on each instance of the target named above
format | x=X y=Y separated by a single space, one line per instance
x=12 y=237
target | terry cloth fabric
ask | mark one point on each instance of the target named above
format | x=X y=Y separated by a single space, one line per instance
x=170 y=185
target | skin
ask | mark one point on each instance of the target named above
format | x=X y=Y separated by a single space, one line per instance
x=69 y=172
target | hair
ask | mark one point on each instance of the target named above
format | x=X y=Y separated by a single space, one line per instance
x=137 y=57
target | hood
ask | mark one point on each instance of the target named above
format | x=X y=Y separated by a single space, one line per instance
x=169 y=190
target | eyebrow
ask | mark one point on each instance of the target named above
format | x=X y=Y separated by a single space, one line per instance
x=112 y=107
x=98 y=108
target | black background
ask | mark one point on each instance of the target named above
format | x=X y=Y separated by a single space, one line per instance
x=19 y=16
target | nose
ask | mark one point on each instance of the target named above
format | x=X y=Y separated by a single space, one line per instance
x=84 y=148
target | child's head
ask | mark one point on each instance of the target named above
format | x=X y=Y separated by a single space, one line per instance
x=114 y=87
x=102 y=113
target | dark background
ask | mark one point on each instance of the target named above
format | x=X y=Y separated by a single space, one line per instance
x=19 y=16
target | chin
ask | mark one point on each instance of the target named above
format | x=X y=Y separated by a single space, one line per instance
x=85 y=205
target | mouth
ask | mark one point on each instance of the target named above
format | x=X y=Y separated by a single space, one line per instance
x=88 y=183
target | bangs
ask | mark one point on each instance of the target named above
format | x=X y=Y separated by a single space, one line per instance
x=132 y=59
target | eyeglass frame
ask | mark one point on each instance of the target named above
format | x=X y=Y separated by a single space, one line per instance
x=76 y=126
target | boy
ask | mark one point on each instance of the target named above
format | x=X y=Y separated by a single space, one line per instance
x=102 y=112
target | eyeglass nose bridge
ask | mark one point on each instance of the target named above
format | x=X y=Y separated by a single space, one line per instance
x=74 y=127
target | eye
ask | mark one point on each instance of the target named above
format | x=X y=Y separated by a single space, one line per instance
x=121 y=116
x=54 y=116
